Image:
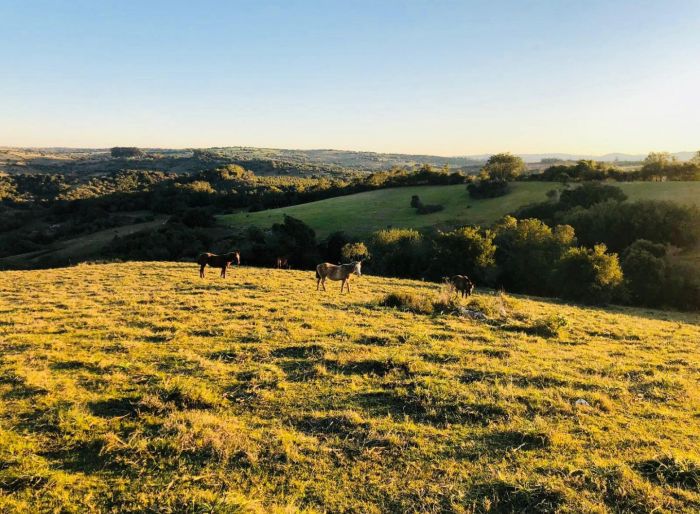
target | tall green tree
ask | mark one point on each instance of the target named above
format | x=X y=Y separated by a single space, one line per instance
x=503 y=166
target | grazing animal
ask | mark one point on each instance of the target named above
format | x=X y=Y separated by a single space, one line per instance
x=461 y=284
x=282 y=263
x=217 y=261
x=337 y=272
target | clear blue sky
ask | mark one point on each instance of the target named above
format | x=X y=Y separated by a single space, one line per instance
x=450 y=78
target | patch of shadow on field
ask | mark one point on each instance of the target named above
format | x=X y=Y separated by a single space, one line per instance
x=14 y=349
x=125 y=406
x=310 y=351
x=441 y=357
x=300 y=370
x=471 y=376
x=427 y=410
x=73 y=365
x=502 y=497
x=374 y=340
x=668 y=470
x=228 y=356
x=344 y=424
x=86 y=458
x=20 y=390
x=505 y=440
x=11 y=483
x=618 y=336
x=377 y=367
x=179 y=365
x=658 y=390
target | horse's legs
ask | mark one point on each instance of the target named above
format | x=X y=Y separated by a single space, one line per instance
x=323 y=283
x=223 y=271
x=347 y=285
x=201 y=271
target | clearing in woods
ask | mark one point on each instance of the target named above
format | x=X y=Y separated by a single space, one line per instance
x=363 y=213
x=140 y=388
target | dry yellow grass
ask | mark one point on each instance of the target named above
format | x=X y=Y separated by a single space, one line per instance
x=141 y=388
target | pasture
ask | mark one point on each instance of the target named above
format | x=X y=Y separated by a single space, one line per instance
x=140 y=387
x=363 y=213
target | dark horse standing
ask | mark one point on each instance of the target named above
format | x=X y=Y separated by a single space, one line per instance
x=282 y=263
x=217 y=261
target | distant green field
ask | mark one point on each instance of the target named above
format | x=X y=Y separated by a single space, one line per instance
x=363 y=213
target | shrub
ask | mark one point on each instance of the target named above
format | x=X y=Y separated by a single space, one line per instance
x=589 y=276
x=355 y=251
x=408 y=302
x=466 y=250
x=503 y=167
x=399 y=252
x=590 y=193
x=618 y=225
x=428 y=209
x=488 y=189
x=644 y=268
x=527 y=251
x=551 y=326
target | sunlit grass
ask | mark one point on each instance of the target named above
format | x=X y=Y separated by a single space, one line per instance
x=139 y=387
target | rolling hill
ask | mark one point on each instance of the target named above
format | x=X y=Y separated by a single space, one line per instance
x=363 y=213
x=138 y=387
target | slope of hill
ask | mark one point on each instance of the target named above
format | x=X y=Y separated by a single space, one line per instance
x=363 y=213
x=140 y=388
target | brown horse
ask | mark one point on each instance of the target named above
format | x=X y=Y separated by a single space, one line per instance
x=461 y=284
x=283 y=263
x=340 y=272
x=217 y=261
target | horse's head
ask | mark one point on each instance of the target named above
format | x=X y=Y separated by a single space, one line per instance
x=357 y=268
x=237 y=257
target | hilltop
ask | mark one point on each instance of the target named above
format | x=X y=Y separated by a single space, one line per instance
x=138 y=387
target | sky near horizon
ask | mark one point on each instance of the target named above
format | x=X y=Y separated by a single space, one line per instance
x=435 y=77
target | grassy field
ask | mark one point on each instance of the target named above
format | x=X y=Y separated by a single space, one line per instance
x=363 y=213
x=141 y=388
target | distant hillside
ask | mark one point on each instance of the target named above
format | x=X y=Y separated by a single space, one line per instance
x=263 y=161
x=363 y=213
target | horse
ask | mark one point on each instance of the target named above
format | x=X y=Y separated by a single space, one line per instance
x=461 y=284
x=283 y=263
x=337 y=272
x=217 y=261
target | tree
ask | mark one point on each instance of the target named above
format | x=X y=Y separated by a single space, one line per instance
x=399 y=252
x=527 y=251
x=332 y=247
x=466 y=250
x=644 y=269
x=504 y=166
x=656 y=163
x=355 y=252
x=589 y=193
x=588 y=275
x=295 y=239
